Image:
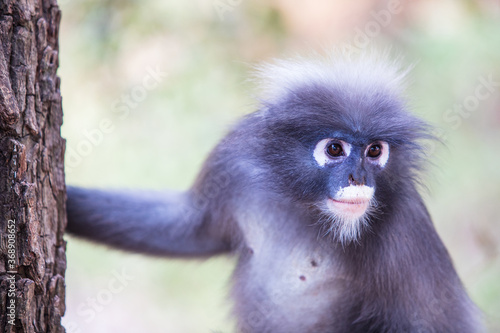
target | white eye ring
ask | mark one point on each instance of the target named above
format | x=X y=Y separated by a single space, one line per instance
x=382 y=159
x=320 y=154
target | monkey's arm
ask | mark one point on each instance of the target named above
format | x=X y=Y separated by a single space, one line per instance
x=152 y=222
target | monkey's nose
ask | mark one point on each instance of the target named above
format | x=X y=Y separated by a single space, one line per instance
x=356 y=181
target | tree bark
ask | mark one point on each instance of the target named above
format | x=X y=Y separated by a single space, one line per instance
x=32 y=190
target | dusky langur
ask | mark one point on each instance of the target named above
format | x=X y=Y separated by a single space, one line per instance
x=316 y=194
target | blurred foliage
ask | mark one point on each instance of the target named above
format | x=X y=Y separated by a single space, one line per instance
x=109 y=47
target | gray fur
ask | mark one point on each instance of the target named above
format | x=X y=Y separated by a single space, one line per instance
x=257 y=196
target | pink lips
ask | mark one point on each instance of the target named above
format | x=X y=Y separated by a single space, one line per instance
x=351 y=208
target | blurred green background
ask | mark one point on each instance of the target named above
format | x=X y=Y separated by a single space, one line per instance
x=156 y=134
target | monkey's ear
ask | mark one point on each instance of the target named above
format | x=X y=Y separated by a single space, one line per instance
x=152 y=222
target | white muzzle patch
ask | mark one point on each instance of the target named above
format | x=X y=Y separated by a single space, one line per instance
x=348 y=211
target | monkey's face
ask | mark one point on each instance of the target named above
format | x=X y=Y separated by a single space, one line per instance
x=344 y=153
x=349 y=168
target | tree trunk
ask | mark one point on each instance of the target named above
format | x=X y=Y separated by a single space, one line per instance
x=32 y=190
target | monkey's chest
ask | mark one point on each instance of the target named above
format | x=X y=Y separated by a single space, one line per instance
x=293 y=287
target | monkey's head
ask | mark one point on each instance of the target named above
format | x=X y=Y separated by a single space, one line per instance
x=338 y=138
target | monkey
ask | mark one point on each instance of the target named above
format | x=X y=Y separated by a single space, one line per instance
x=317 y=195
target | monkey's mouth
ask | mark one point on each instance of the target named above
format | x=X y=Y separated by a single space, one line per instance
x=349 y=208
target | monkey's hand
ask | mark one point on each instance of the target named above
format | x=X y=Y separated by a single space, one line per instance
x=152 y=222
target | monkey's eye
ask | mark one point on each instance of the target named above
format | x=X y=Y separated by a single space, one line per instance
x=331 y=151
x=374 y=151
x=334 y=149
x=378 y=153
